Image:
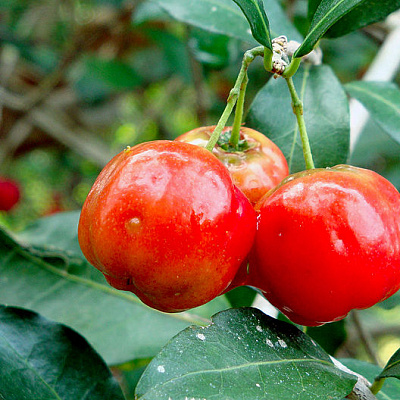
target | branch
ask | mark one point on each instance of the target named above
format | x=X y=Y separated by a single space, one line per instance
x=60 y=127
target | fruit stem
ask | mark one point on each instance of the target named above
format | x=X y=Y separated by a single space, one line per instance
x=237 y=122
x=236 y=92
x=297 y=106
x=377 y=385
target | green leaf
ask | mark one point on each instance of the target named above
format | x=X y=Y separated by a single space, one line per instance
x=326 y=115
x=259 y=24
x=224 y=17
x=390 y=389
x=44 y=270
x=327 y=13
x=41 y=359
x=392 y=368
x=243 y=354
x=329 y=336
x=366 y=13
x=382 y=100
x=213 y=50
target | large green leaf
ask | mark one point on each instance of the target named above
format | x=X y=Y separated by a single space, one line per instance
x=243 y=354
x=40 y=359
x=391 y=387
x=47 y=273
x=366 y=13
x=225 y=17
x=259 y=24
x=326 y=116
x=382 y=100
x=327 y=13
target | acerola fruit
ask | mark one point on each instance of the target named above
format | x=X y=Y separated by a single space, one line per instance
x=328 y=241
x=9 y=194
x=165 y=221
x=256 y=167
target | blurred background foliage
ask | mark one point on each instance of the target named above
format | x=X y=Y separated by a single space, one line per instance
x=81 y=80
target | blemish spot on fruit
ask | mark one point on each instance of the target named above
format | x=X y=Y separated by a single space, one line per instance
x=258 y=327
x=134 y=224
x=161 y=369
x=213 y=9
x=269 y=343
x=201 y=336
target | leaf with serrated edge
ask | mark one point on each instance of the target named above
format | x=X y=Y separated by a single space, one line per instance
x=382 y=100
x=255 y=14
x=243 y=354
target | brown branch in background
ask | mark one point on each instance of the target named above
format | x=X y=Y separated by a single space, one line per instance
x=198 y=82
x=83 y=38
x=365 y=338
x=290 y=9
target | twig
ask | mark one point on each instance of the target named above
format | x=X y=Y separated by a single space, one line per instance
x=365 y=338
x=197 y=76
x=58 y=126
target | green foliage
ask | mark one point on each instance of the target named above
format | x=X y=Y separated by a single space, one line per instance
x=322 y=95
x=382 y=100
x=48 y=274
x=240 y=356
x=136 y=71
x=42 y=359
x=255 y=14
x=391 y=388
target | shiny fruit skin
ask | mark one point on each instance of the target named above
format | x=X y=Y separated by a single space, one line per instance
x=165 y=221
x=327 y=242
x=9 y=194
x=255 y=170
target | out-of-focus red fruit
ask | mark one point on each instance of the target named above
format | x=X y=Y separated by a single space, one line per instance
x=9 y=194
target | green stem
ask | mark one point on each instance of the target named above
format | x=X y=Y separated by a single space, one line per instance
x=377 y=385
x=237 y=122
x=248 y=57
x=268 y=53
x=297 y=106
x=292 y=68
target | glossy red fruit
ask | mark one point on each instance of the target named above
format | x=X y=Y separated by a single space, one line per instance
x=165 y=221
x=255 y=169
x=328 y=241
x=9 y=194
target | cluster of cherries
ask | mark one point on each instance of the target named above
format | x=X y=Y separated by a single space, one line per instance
x=179 y=225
